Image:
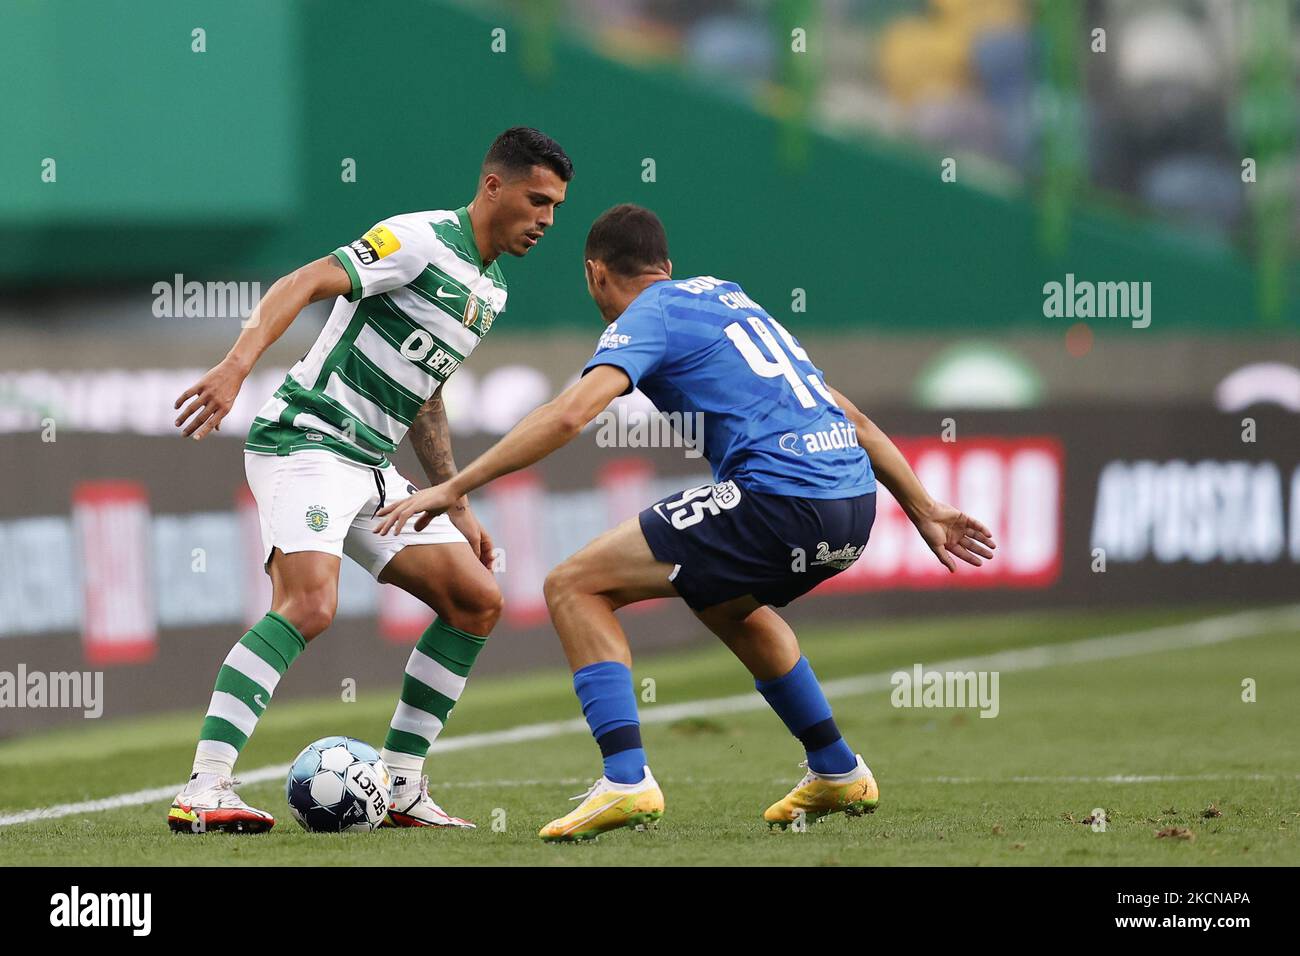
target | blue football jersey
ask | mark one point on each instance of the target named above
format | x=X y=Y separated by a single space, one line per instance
x=768 y=420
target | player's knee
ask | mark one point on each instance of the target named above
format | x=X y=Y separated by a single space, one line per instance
x=311 y=611
x=564 y=581
x=477 y=609
x=486 y=610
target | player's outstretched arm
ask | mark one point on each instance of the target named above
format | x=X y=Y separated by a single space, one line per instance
x=947 y=531
x=543 y=430
x=211 y=397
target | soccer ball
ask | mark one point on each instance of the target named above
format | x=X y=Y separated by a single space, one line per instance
x=337 y=784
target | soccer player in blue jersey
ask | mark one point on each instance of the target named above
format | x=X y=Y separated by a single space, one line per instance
x=795 y=467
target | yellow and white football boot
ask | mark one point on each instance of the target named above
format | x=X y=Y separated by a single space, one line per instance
x=608 y=806
x=817 y=795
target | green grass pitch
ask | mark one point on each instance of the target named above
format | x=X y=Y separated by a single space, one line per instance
x=1155 y=739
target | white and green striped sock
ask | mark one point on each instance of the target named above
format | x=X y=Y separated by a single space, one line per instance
x=244 y=687
x=435 y=678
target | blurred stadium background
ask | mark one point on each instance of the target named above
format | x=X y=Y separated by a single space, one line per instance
x=896 y=180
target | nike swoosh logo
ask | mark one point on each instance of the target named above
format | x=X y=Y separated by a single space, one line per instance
x=257 y=698
x=448 y=295
x=629 y=806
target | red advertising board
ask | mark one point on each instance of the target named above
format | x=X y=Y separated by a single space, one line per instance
x=114 y=535
x=1013 y=485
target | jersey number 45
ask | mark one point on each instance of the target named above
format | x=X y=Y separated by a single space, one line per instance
x=779 y=365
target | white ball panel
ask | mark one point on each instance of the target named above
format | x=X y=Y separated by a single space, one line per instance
x=336 y=758
x=327 y=788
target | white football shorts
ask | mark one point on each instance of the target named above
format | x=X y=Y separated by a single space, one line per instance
x=319 y=501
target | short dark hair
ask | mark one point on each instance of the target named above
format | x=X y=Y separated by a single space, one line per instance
x=629 y=239
x=520 y=148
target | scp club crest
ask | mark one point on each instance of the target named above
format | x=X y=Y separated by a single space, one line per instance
x=477 y=310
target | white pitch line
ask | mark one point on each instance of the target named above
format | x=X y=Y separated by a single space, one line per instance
x=1119 y=778
x=1202 y=633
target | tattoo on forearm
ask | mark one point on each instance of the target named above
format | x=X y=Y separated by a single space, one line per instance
x=431 y=439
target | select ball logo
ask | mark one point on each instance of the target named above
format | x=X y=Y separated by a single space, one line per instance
x=372 y=787
x=318 y=518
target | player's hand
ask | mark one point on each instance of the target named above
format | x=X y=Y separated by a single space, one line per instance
x=212 y=398
x=950 y=533
x=431 y=501
x=467 y=523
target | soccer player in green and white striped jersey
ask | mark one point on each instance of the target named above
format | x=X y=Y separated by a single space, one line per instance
x=415 y=295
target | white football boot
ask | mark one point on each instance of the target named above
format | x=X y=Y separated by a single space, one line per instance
x=209 y=802
x=409 y=805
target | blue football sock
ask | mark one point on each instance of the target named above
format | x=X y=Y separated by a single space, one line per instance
x=798 y=700
x=609 y=704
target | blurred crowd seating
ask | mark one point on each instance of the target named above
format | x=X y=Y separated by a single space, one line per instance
x=1161 y=118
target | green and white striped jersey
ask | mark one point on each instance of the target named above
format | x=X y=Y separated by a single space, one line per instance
x=420 y=302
